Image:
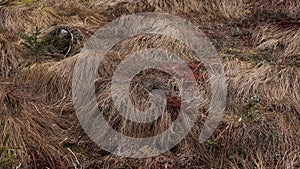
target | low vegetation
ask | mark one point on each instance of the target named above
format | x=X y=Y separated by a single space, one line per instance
x=7 y=159
x=257 y=40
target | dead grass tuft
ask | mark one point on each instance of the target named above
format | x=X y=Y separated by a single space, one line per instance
x=33 y=128
x=277 y=8
x=36 y=104
x=8 y=56
x=256 y=137
x=282 y=38
x=52 y=80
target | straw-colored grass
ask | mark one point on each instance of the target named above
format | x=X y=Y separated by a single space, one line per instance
x=9 y=57
x=35 y=130
x=275 y=86
x=36 y=104
x=283 y=37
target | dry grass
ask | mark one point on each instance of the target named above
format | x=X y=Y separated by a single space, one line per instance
x=275 y=85
x=8 y=56
x=39 y=113
x=37 y=131
x=277 y=28
x=52 y=80
x=282 y=37
x=213 y=10
x=277 y=8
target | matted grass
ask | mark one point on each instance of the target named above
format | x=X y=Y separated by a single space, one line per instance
x=36 y=104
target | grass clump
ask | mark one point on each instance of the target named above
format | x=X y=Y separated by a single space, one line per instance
x=6 y=158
